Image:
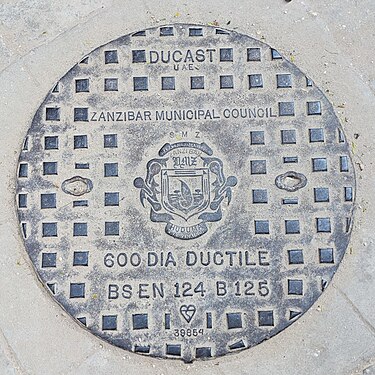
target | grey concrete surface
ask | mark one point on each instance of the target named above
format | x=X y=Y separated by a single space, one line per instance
x=332 y=41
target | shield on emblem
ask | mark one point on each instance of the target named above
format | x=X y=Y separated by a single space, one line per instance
x=185 y=192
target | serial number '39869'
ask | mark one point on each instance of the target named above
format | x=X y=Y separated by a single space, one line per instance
x=188 y=332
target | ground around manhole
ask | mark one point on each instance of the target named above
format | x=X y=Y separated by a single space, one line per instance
x=330 y=42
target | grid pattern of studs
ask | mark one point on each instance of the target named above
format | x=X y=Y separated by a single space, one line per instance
x=97 y=144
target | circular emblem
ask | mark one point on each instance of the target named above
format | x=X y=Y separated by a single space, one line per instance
x=185 y=192
x=192 y=183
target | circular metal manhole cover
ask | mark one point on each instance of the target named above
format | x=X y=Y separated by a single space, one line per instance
x=185 y=192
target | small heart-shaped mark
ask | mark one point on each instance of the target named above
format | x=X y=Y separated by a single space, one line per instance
x=187 y=312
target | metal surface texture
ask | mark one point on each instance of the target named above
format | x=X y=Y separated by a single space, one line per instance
x=185 y=192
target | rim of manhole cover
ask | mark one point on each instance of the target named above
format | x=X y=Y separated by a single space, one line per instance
x=185 y=192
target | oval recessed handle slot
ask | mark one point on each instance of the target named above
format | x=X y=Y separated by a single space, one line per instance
x=291 y=181
x=77 y=186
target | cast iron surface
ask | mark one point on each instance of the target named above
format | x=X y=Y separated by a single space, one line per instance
x=185 y=192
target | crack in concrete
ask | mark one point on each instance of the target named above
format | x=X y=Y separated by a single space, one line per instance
x=368 y=325
x=11 y=354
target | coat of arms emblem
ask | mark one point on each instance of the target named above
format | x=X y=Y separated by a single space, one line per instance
x=185 y=188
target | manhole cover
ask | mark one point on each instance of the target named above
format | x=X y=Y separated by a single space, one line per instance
x=185 y=192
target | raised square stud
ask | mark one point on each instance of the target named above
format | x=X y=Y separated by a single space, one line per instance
x=195 y=31
x=22 y=200
x=265 y=318
x=52 y=287
x=23 y=170
x=111 y=199
x=140 y=83
x=348 y=194
x=286 y=109
x=323 y=225
x=51 y=142
x=344 y=164
x=309 y=82
x=145 y=349
x=48 y=260
x=288 y=137
x=25 y=146
x=79 y=229
x=112 y=228
x=110 y=169
x=48 y=200
x=260 y=196
x=77 y=290
x=49 y=229
x=166 y=31
x=110 y=57
x=234 y=320
x=139 y=56
x=173 y=349
x=290 y=159
x=253 y=54
x=140 y=321
x=226 y=54
x=295 y=256
x=258 y=167
x=82 y=320
x=275 y=55
x=110 y=84
x=255 y=81
x=203 y=352
x=53 y=114
x=321 y=194
x=341 y=136
x=80 y=141
x=314 y=108
x=319 y=165
x=82 y=85
x=81 y=203
x=221 y=32
x=316 y=135
x=82 y=166
x=209 y=320
x=326 y=255
x=140 y=33
x=295 y=287
x=81 y=114
x=197 y=82
x=49 y=168
x=81 y=258
x=237 y=345
x=226 y=82
x=288 y=201
x=257 y=137
x=262 y=226
x=284 y=80
x=110 y=140
x=24 y=229
x=292 y=227
x=167 y=83
x=109 y=322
